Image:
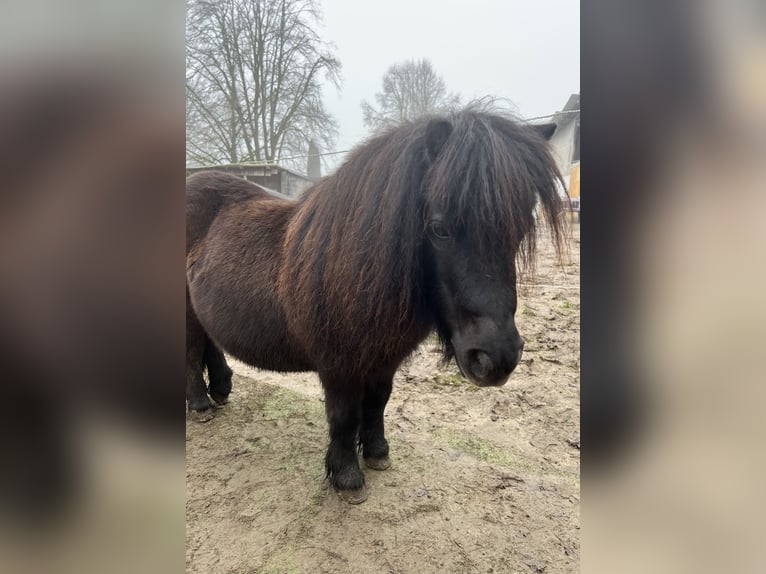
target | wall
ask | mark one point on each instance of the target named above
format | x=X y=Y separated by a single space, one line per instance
x=292 y=184
x=562 y=143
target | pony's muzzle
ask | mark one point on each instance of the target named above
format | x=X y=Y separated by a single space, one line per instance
x=488 y=369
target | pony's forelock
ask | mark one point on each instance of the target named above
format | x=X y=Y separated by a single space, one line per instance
x=491 y=174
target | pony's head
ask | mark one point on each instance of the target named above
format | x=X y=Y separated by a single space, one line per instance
x=485 y=178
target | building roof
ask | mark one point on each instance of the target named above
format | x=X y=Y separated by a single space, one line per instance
x=570 y=112
x=248 y=165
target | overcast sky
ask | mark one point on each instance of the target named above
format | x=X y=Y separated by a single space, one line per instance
x=527 y=51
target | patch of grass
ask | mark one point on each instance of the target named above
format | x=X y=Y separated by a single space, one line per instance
x=477 y=447
x=292 y=463
x=527 y=310
x=448 y=379
x=309 y=512
x=284 y=404
x=567 y=305
x=284 y=562
x=487 y=451
x=452 y=380
x=288 y=410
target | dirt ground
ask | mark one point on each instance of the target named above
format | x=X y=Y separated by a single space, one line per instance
x=482 y=480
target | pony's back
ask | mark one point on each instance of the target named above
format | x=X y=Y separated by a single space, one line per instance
x=209 y=191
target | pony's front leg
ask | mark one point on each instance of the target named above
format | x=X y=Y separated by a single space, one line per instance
x=377 y=390
x=343 y=404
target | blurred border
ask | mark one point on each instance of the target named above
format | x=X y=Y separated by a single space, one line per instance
x=91 y=246
x=91 y=219
x=673 y=277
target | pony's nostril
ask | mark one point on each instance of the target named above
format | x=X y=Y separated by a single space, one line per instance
x=481 y=364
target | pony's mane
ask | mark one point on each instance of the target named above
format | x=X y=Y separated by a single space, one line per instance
x=488 y=179
x=353 y=279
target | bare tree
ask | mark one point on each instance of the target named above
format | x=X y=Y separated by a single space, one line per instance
x=410 y=89
x=254 y=71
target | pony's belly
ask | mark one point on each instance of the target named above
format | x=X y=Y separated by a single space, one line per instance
x=250 y=327
x=269 y=358
x=262 y=345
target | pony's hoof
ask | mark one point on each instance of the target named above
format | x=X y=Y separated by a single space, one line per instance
x=201 y=416
x=356 y=496
x=220 y=400
x=381 y=463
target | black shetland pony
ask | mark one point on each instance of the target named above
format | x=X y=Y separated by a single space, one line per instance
x=420 y=229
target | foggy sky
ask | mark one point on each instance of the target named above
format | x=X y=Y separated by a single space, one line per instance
x=527 y=51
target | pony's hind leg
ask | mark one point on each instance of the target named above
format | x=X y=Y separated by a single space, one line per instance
x=197 y=400
x=372 y=437
x=343 y=404
x=218 y=372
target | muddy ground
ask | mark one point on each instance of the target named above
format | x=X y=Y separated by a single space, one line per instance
x=482 y=480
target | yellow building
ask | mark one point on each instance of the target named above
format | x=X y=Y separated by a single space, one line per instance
x=574 y=182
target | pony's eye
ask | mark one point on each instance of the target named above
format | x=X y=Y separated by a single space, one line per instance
x=438 y=230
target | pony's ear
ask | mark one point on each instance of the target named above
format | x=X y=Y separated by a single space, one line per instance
x=437 y=133
x=545 y=130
